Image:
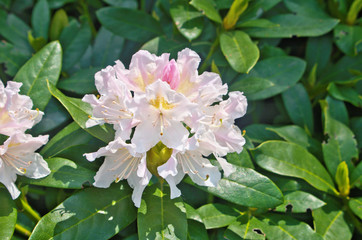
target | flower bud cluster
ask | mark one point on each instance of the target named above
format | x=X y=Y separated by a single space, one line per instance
x=17 y=149
x=167 y=119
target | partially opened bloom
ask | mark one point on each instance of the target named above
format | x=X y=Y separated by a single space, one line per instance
x=16 y=114
x=171 y=117
x=18 y=157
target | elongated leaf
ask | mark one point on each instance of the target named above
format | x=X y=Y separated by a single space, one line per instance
x=300 y=202
x=309 y=8
x=337 y=110
x=270 y=77
x=128 y=23
x=64 y=174
x=8 y=214
x=244 y=228
x=196 y=230
x=290 y=159
x=161 y=45
x=187 y=19
x=348 y=39
x=330 y=222
x=247 y=188
x=160 y=217
x=259 y=133
x=12 y=57
x=217 y=215
x=356 y=176
x=241 y=53
x=293 y=134
x=90 y=214
x=344 y=93
x=40 y=19
x=80 y=112
x=44 y=66
x=299 y=107
x=208 y=8
x=243 y=159
x=82 y=82
x=356 y=206
x=294 y=25
x=318 y=52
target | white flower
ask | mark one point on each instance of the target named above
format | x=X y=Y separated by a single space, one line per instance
x=15 y=110
x=17 y=157
x=171 y=118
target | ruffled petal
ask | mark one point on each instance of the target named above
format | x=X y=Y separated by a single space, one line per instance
x=38 y=167
x=8 y=178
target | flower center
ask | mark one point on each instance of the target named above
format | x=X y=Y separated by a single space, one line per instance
x=161 y=103
x=157 y=156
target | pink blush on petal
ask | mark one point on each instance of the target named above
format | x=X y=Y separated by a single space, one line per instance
x=171 y=74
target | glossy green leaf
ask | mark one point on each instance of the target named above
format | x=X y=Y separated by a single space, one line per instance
x=244 y=228
x=247 y=187
x=292 y=133
x=75 y=40
x=192 y=213
x=128 y=23
x=261 y=23
x=348 y=39
x=44 y=66
x=217 y=215
x=345 y=93
x=337 y=110
x=290 y=159
x=240 y=159
x=277 y=227
x=356 y=206
x=299 y=107
x=257 y=8
x=318 y=52
x=239 y=50
x=80 y=112
x=270 y=77
x=236 y=9
x=64 y=174
x=82 y=82
x=294 y=25
x=92 y=213
x=40 y=19
x=259 y=133
x=208 y=9
x=12 y=57
x=300 y=202
x=330 y=222
x=196 y=231
x=309 y=8
x=58 y=23
x=187 y=19
x=8 y=214
x=160 y=217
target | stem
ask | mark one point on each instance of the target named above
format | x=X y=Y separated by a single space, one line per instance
x=29 y=211
x=205 y=64
x=22 y=230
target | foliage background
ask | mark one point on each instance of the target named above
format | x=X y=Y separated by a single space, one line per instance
x=298 y=62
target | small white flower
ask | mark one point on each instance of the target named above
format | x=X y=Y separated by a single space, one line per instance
x=18 y=157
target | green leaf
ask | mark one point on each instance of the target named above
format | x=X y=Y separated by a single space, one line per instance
x=161 y=45
x=248 y=188
x=160 y=217
x=196 y=231
x=58 y=3
x=299 y=107
x=208 y=9
x=128 y=23
x=309 y=8
x=289 y=159
x=44 y=66
x=107 y=48
x=232 y=16
x=239 y=50
x=356 y=176
x=276 y=74
x=58 y=23
x=330 y=222
x=292 y=133
x=92 y=213
x=277 y=227
x=356 y=127
x=342 y=179
x=125 y=3
x=81 y=82
x=318 y=52
x=257 y=8
x=40 y=19
x=348 y=39
x=217 y=215
x=337 y=110
x=187 y=19
x=64 y=174
x=8 y=215
x=345 y=93
x=261 y=23
x=12 y=57
x=75 y=40
x=341 y=144
x=80 y=112
x=240 y=159
x=259 y=133
x=244 y=228
x=294 y=25
x=300 y=202
x=356 y=206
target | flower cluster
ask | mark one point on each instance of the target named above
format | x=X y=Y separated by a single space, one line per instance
x=167 y=118
x=17 y=152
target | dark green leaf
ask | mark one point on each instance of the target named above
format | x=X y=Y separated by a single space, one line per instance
x=80 y=112
x=337 y=110
x=58 y=3
x=12 y=57
x=356 y=127
x=124 y=3
x=64 y=174
x=260 y=23
x=292 y=133
x=241 y=53
x=92 y=213
x=276 y=75
x=244 y=228
x=290 y=159
x=299 y=107
x=208 y=9
x=8 y=215
x=356 y=176
x=348 y=39
x=44 y=66
x=309 y=8
x=300 y=202
x=345 y=93
x=128 y=23
x=82 y=82
x=217 y=215
x=318 y=52
x=40 y=19
x=160 y=217
x=259 y=133
x=240 y=159
x=356 y=206
x=161 y=45
x=257 y=8
x=196 y=231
